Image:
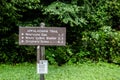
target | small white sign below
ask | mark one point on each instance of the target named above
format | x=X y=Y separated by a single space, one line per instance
x=42 y=67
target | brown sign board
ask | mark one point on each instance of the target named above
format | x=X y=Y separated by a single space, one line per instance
x=42 y=36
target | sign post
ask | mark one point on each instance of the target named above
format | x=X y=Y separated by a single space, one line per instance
x=40 y=54
x=42 y=36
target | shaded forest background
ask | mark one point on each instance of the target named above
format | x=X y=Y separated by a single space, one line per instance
x=93 y=29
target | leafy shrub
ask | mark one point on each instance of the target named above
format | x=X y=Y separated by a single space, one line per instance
x=59 y=55
x=84 y=20
x=101 y=45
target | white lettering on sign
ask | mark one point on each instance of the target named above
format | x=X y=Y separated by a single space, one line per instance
x=22 y=41
x=29 y=37
x=60 y=41
x=39 y=38
x=42 y=31
x=22 y=37
x=42 y=41
x=31 y=41
x=31 y=34
x=42 y=36
x=60 y=38
x=22 y=34
x=31 y=30
x=61 y=34
x=51 y=38
x=53 y=31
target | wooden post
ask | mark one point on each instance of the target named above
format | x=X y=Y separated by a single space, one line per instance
x=41 y=53
x=42 y=57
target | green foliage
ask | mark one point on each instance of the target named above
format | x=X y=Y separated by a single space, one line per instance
x=114 y=12
x=59 y=55
x=26 y=4
x=10 y=16
x=8 y=30
x=67 y=13
x=87 y=21
x=102 y=45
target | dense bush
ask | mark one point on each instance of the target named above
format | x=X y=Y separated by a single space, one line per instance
x=90 y=28
x=102 y=45
x=90 y=35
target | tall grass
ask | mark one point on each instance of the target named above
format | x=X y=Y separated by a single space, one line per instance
x=86 y=71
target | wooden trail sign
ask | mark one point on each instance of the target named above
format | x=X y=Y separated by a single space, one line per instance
x=42 y=36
